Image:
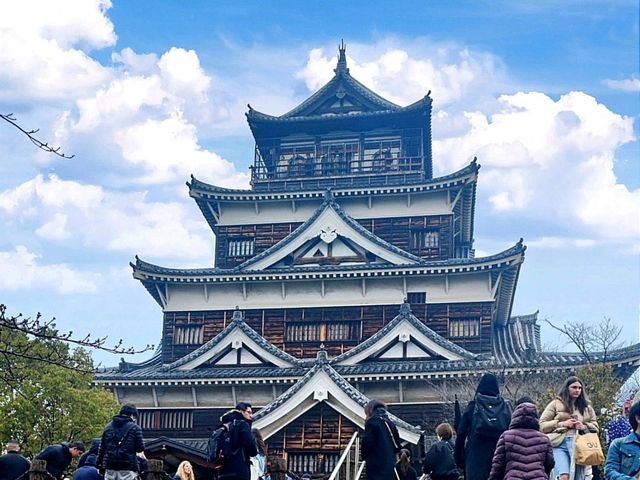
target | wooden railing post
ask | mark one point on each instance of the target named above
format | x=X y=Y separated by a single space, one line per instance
x=156 y=470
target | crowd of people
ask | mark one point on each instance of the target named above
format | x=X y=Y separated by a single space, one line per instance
x=489 y=442
x=492 y=442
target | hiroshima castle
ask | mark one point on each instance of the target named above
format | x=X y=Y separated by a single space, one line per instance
x=345 y=273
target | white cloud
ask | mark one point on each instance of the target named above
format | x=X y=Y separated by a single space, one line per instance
x=626 y=84
x=552 y=159
x=404 y=75
x=560 y=242
x=44 y=44
x=21 y=271
x=112 y=221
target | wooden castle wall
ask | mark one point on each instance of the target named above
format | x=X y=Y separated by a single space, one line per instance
x=397 y=231
x=366 y=321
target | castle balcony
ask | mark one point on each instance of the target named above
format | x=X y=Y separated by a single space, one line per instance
x=395 y=159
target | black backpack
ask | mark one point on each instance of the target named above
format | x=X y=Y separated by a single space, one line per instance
x=219 y=447
x=491 y=416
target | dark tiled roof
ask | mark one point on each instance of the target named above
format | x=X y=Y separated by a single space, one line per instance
x=404 y=315
x=517 y=341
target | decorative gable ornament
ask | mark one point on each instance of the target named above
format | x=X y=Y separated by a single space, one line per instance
x=328 y=234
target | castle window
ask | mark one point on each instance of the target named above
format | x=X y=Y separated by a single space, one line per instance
x=165 y=420
x=338 y=331
x=421 y=239
x=416 y=297
x=303 y=332
x=240 y=247
x=188 y=335
x=464 y=327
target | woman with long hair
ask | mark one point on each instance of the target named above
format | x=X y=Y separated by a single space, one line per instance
x=184 y=472
x=565 y=417
x=259 y=462
x=380 y=442
x=403 y=468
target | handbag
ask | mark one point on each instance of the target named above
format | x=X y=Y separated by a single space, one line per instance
x=588 y=450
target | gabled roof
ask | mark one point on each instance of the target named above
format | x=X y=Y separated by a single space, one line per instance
x=342 y=96
x=405 y=329
x=518 y=340
x=322 y=383
x=236 y=336
x=326 y=226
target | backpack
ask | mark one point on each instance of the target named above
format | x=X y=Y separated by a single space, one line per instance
x=219 y=447
x=491 y=416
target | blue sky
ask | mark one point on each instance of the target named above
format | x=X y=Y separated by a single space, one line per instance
x=145 y=93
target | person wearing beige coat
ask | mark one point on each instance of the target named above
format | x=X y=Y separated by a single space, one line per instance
x=565 y=417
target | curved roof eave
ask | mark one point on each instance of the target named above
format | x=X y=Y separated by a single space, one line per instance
x=145 y=271
x=200 y=190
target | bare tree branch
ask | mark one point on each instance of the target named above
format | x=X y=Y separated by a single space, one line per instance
x=578 y=333
x=9 y=118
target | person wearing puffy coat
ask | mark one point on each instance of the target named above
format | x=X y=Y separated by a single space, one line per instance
x=523 y=452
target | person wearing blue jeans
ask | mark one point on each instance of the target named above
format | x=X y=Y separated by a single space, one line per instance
x=623 y=458
x=565 y=417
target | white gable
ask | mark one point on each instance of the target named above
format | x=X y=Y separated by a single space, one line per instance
x=319 y=388
x=332 y=236
x=392 y=346
x=250 y=353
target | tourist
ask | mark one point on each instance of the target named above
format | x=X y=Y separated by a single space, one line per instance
x=88 y=470
x=259 y=462
x=120 y=443
x=93 y=450
x=486 y=417
x=184 y=471
x=58 y=457
x=523 y=451
x=619 y=426
x=237 y=466
x=403 y=468
x=380 y=442
x=623 y=458
x=277 y=469
x=439 y=463
x=565 y=417
x=12 y=464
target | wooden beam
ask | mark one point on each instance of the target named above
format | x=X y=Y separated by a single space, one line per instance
x=194 y=397
x=244 y=290
x=215 y=214
x=155 y=396
x=206 y=293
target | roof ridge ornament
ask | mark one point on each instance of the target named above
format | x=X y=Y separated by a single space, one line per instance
x=237 y=315
x=405 y=308
x=341 y=67
x=328 y=195
x=322 y=356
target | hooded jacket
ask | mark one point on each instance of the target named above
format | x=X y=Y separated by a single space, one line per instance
x=88 y=471
x=237 y=466
x=12 y=465
x=380 y=444
x=523 y=452
x=472 y=453
x=58 y=458
x=120 y=442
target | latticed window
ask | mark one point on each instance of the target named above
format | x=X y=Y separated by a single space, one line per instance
x=303 y=332
x=337 y=331
x=188 y=334
x=464 y=327
x=165 y=420
x=240 y=247
x=424 y=239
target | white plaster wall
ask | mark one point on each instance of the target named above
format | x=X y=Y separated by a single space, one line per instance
x=140 y=396
x=469 y=287
x=385 y=391
x=424 y=203
x=214 y=395
x=256 y=395
x=170 y=396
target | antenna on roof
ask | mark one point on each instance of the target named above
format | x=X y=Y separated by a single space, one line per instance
x=342 y=58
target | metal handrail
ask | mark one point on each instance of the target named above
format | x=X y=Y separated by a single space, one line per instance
x=344 y=456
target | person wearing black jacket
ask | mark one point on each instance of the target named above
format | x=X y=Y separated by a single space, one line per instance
x=237 y=466
x=58 y=457
x=439 y=463
x=88 y=470
x=120 y=442
x=12 y=464
x=474 y=449
x=380 y=442
x=93 y=450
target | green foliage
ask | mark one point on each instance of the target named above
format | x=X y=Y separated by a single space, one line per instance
x=45 y=402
